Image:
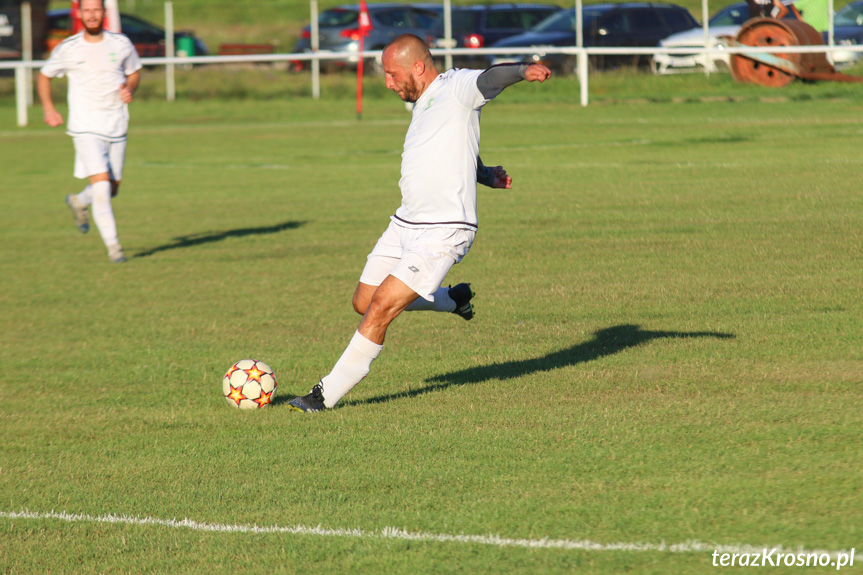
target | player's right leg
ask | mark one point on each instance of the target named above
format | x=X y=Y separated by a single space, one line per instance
x=387 y=254
x=94 y=160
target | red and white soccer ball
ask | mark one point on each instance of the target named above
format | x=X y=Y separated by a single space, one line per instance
x=249 y=384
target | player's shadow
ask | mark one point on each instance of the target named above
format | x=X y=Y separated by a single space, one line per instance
x=605 y=342
x=210 y=237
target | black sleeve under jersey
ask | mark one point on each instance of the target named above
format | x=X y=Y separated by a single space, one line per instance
x=495 y=79
x=484 y=174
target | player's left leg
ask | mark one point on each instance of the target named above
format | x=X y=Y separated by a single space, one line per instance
x=101 y=162
x=454 y=299
x=387 y=254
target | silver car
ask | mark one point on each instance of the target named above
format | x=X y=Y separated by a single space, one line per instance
x=338 y=29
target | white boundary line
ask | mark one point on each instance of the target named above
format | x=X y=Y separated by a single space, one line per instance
x=400 y=534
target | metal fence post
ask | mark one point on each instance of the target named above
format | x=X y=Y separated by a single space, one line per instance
x=705 y=15
x=316 y=45
x=21 y=94
x=170 y=87
x=581 y=62
x=27 y=46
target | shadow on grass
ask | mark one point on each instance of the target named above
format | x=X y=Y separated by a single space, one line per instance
x=605 y=342
x=210 y=237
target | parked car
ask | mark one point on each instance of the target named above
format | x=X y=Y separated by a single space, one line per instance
x=338 y=30
x=848 y=31
x=635 y=24
x=149 y=39
x=482 y=25
x=725 y=24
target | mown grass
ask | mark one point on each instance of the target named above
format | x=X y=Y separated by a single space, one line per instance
x=667 y=345
x=271 y=83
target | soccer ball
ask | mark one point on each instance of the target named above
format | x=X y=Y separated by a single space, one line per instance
x=249 y=384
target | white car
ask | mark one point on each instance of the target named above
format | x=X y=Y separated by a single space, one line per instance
x=725 y=24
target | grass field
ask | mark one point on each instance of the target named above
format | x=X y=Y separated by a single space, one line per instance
x=667 y=349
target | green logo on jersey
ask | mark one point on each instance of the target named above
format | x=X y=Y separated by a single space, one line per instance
x=429 y=105
x=113 y=56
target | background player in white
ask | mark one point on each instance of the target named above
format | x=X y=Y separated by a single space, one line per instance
x=435 y=225
x=103 y=70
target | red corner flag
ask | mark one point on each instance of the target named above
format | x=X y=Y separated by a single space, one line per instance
x=364 y=21
x=365 y=26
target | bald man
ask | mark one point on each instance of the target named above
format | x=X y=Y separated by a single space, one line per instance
x=435 y=225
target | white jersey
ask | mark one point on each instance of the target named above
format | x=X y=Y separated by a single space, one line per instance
x=96 y=72
x=438 y=180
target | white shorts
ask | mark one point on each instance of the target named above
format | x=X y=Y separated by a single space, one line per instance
x=420 y=257
x=97 y=156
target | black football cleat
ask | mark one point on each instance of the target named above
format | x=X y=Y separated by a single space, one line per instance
x=461 y=294
x=314 y=401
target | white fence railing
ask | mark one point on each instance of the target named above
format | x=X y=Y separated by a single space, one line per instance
x=23 y=80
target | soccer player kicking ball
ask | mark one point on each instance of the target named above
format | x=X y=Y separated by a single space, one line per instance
x=103 y=70
x=436 y=223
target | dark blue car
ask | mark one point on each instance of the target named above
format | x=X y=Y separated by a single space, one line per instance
x=633 y=24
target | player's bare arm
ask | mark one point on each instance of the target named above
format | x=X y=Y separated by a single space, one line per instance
x=50 y=114
x=127 y=90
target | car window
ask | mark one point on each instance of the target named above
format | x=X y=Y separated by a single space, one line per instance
x=615 y=24
x=530 y=18
x=397 y=18
x=464 y=22
x=646 y=20
x=62 y=22
x=564 y=21
x=850 y=15
x=424 y=19
x=677 y=20
x=338 y=18
x=514 y=19
x=497 y=19
x=131 y=25
x=731 y=16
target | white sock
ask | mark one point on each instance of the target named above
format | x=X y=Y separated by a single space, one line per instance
x=351 y=368
x=442 y=302
x=84 y=198
x=102 y=214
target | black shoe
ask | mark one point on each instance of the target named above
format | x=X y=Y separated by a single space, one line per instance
x=314 y=401
x=461 y=294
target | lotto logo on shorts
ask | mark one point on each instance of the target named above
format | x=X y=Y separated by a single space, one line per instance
x=414 y=269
